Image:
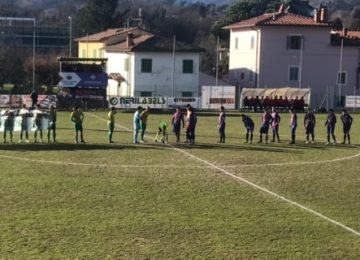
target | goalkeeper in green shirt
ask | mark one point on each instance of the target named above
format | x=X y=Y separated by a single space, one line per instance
x=111 y=123
x=162 y=129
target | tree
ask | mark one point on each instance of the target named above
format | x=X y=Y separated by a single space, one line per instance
x=337 y=23
x=99 y=15
x=12 y=70
x=355 y=15
x=241 y=10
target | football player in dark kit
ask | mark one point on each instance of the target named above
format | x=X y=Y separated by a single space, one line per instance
x=266 y=121
x=293 y=125
x=249 y=126
x=221 y=125
x=176 y=121
x=347 y=121
x=330 y=126
x=309 y=126
x=275 y=125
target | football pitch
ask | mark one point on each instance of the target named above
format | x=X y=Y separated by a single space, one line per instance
x=180 y=201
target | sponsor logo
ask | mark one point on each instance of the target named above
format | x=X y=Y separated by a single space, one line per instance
x=113 y=101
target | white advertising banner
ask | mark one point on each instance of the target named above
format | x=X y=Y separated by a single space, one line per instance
x=352 y=102
x=44 y=101
x=4 y=100
x=10 y=100
x=182 y=102
x=215 y=96
x=152 y=102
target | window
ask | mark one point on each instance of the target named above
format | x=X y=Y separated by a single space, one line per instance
x=187 y=94
x=145 y=94
x=294 y=73
x=341 y=78
x=83 y=53
x=94 y=53
x=252 y=42
x=126 y=64
x=294 y=42
x=236 y=43
x=146 y=65
x=188 y=66
x=242 y=75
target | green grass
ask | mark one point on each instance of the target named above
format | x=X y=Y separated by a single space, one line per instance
x=151 y=201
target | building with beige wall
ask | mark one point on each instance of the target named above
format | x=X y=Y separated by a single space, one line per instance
x=143 y=64
x=285 y=49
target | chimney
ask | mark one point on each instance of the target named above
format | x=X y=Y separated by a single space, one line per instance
x=323 y=14
x=129 y=40
x=281 y=8
x=316 y=15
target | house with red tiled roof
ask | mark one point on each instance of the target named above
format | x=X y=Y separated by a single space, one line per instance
x=143 y=64
x=92 y=46
x=284 y=49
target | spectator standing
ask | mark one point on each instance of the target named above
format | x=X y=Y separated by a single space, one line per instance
x=34 y=98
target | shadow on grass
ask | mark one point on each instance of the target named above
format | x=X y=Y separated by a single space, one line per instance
x=237 y=147
x=271 y=147
x=93 y=130
x=78 y=147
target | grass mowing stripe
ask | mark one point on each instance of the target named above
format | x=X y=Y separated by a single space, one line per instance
x=98 y=165
x=294 y=163
x=224 y=172
x=271 y=193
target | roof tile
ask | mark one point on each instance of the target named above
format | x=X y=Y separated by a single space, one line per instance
x=104 y=35
x=278 y=19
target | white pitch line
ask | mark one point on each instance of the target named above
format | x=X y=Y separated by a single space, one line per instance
x=169 y=166
x=271 y=193
x=294 y=163
x=258 y=187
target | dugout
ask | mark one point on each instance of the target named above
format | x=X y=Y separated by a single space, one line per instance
x=280 y=98
x=83 y=82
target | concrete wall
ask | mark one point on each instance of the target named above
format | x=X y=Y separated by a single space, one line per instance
x=91 y=50
x=159 y=81
x=319 y=66
x=243 y=60
x=117 y=64
x=320 y=61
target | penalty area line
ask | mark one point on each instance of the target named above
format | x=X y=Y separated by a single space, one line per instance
x=260 y=188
